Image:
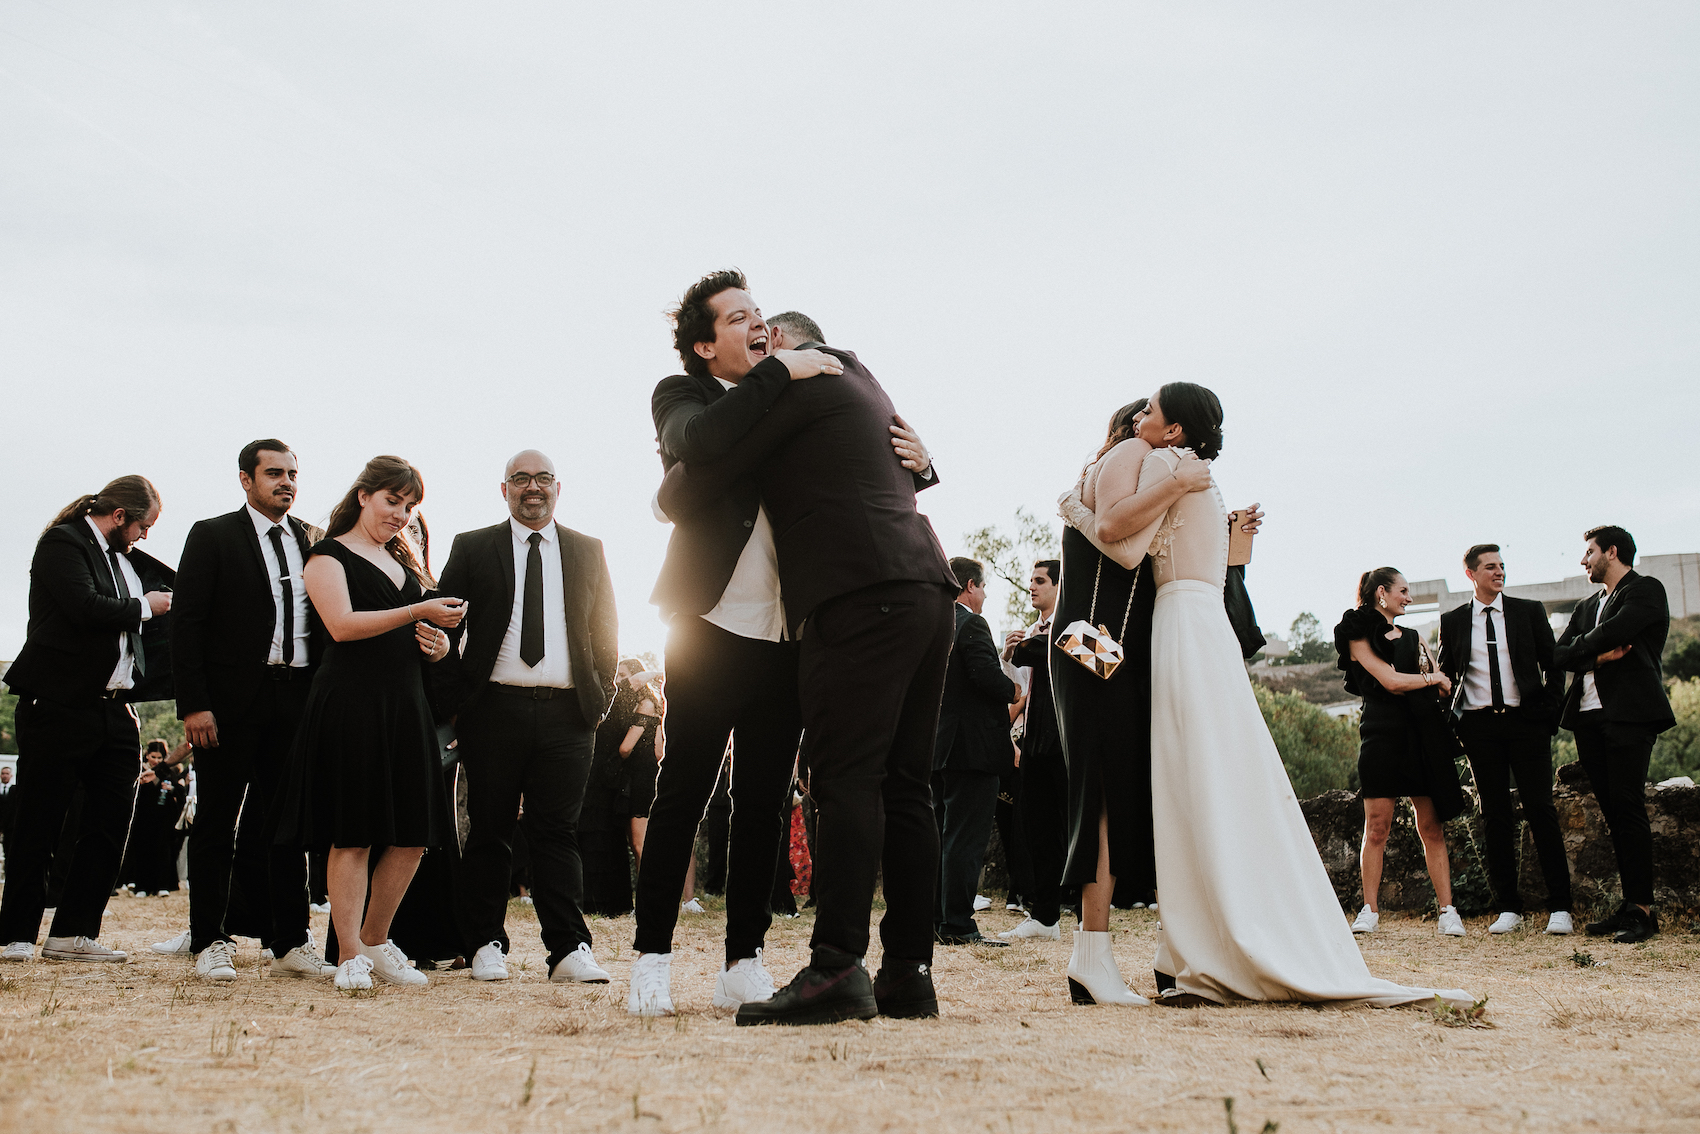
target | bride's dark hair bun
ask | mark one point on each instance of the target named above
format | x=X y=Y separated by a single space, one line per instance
x=1199 y=414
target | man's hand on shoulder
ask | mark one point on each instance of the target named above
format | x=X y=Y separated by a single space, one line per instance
x=911 y=452
x=808 y=363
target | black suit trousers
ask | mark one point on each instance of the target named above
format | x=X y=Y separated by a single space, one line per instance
x=93 y=745
x=720 y=686
x=871 y=679
x=1043 y=805
x=1500 y=747
x=236 y=790
x=513 y=747
x=1616 y=756
x=968 y=803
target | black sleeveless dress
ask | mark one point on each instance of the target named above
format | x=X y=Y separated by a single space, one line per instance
x=366 y=769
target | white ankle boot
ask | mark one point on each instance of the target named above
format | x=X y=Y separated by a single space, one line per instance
x=1093 y=977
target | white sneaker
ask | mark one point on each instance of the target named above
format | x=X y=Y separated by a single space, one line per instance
x=1367 y=920
x=692 y=906
x=18 y=951
x=1558 y=923
x=527 y=900
x=391 y=964
x=177 y=945
x=1506 y=922
x=1451 y=925
x=216 y=962
x=80 y=949
x=981 y=902
x=1032 y=928
x=165 y=893
x=303 y=962
x=652 y=993
x=489 y=963
x=355 y=973
x=747 y=982
x=320 y=907
x=1015 y=907
x=580 y=967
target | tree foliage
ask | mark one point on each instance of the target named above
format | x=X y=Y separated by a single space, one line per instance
x=1011 y=558
x=1320 y=752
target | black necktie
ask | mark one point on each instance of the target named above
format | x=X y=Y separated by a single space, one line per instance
x=531 y=614
x=124 y=593
x=1493 y=661
x=288 y=594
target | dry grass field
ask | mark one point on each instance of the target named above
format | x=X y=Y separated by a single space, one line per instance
x=145 y=1047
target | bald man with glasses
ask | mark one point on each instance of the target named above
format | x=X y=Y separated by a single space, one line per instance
x=529 y=676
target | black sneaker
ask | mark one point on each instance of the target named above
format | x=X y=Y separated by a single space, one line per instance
x=834 y=986
x=1637 y=926
x=975 y=938
x=1605 y=927
x=903 y=990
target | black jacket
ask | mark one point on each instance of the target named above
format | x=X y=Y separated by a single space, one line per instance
x=1040 y=734
x=973 y=733
x=76 y=616
x=1631 y=689
x=481 y=571
x=223 y=615
x=1528 y=640
x=842 y=507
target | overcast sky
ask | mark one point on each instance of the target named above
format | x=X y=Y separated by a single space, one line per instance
x=1441 y=262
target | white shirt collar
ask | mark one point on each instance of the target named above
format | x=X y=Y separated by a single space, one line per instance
x=1497 y=605
x=264 y=524
x=522 y=534
x=724 y=384
x=99 y=536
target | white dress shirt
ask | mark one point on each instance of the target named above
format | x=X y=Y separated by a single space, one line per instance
x=1478 y=689
x=554 y=670
x=124 y=673
x=1591 y=695
x=297 y=586
x=751 y=605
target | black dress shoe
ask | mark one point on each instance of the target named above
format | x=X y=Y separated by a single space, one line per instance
x=1164 y=981
x=833 y=987
x=1605 y=927
x=975 y=938
x=903 y=990
x=1638 y=925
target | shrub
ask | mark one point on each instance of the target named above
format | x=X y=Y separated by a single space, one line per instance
x=1677 y=752
x=1320 y=752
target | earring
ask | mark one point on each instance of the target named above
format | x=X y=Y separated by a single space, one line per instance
x=1383 y=603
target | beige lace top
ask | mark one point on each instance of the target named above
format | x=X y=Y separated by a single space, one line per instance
x=1192 y=540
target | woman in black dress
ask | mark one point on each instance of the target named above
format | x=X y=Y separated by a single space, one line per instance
x=1405 y=749
x=366 y=769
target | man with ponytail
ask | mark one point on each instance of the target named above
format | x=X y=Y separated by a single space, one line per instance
x=82 y=658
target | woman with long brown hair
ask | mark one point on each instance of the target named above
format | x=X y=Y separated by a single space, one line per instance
x=366 y=769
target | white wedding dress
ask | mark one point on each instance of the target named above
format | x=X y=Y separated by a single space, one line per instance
x=1248 y=912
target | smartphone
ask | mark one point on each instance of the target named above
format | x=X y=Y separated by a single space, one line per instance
x=1239 y=542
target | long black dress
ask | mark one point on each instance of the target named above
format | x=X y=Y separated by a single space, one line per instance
x=1105 y=726
x=604 y=821
x=366 y=768
x=1404 y=747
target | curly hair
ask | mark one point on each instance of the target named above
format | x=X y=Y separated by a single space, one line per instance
x=693 y=318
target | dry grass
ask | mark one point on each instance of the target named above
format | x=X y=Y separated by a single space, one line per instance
x=146 y=1047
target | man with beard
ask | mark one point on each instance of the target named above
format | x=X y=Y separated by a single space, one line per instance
x=528 y=681
x=867 y=594
x=246 y=645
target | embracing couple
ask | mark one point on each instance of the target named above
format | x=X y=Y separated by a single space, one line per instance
x=1174 y=782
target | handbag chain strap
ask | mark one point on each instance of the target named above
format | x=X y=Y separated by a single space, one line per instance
x=1127 y=615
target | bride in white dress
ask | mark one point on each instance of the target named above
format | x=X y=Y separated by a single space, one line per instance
x=1248 y=912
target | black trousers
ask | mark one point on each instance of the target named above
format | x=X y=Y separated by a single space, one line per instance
x=1616 y=756
x=237 y=786
x=871 y=678
x=1044 y=823
x=720 y=686
x=93 y=745
x=717 y=831
x=968 y=801
x=515 y=746
x=1501 y=747
x=1007 y=818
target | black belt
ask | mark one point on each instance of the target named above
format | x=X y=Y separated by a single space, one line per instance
x=1492 y=712
x=286 y=672
x=532 y=692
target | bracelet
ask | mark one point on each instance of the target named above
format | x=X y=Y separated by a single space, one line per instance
x=410 y=616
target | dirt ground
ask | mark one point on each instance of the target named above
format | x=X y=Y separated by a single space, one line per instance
x=146 y=1047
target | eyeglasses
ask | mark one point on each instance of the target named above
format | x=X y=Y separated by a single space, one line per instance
x=521 y=479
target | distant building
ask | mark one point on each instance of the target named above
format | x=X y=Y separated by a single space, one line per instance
x=1679 y=573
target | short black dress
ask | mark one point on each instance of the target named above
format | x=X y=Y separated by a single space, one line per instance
x=366 y=768
x=1405 y=748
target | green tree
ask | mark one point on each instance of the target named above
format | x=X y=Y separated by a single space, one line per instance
x=1677 y=751
x=1307 y=645
x=8 y=723
x=1320 y=752
x=159 y=720
x=1011 y=559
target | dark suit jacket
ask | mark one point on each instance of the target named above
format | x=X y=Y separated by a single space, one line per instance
x=481 y=571
x=75 y=617
x=9 y=804
x=1631 y=689
x=973 y=731
x=1040 y=734
x=842 y=508
x=224 y=615
x=698 y=421
x=1528 y=640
